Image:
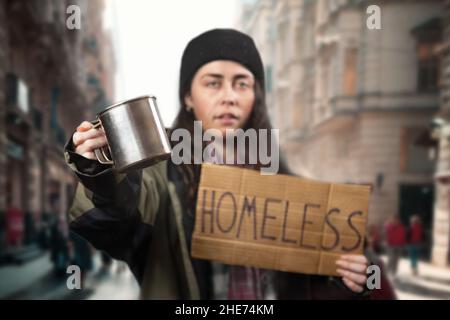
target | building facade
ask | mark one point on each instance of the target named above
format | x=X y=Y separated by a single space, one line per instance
x=52 y=78
x=353 y=104
x=441 y=229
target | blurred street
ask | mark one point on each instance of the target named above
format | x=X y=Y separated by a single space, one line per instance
x=352 y=104
x=36 y=280
x=432 y=282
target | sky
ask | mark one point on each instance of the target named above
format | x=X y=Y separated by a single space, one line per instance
x=150 y=36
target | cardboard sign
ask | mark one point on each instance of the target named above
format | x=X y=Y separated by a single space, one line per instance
x=277 y=222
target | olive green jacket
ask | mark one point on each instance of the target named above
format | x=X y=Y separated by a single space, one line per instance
x=136 y=217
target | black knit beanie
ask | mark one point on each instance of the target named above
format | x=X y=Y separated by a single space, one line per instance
x=219 y=44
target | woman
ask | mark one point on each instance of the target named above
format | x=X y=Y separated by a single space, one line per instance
x=146 y=217
x=415 y=238
x=395 y=233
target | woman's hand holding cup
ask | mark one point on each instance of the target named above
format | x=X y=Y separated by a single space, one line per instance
x=87 y=138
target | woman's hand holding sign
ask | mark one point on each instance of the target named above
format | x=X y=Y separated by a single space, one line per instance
x=353 y=268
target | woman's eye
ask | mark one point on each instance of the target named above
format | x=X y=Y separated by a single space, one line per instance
x=243 y=85
x=213 y=84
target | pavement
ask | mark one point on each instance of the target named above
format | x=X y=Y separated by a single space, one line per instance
x=36 y=280
x=432 y=282
x=15 y=278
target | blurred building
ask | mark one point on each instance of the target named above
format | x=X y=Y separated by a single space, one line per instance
x=441 y=234
x=260 y=23
x=51 y=78
x=354 y=105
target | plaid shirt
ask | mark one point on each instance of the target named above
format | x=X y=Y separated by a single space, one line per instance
x=247 y=283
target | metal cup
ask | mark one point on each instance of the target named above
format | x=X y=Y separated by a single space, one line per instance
x=135 y=134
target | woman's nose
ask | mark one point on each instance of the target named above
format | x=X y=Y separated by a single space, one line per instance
x=229 y=96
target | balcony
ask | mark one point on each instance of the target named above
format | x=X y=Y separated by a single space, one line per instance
x=342 y=110
x=339 y=110
x=399 y=101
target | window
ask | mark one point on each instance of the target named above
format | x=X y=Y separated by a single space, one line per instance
x=428 y=36
x=428 y=68
x=414 y=157
x=297 y=110
x=17 y=93
x=325 y=78
x=350 y=69
x=22 y=96
x=37 y=118
x=14 y=149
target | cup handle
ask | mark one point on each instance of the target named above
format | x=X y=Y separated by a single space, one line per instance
x=100 y=153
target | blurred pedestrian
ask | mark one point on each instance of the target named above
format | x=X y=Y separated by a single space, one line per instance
x=396 y=239
x=106 y=262
x=58 y=249
x=44 y=231
x=2 y=235
x=81 y=255
x=415 y=237
x=59 y=238
x=14 y=226
x=374 y=238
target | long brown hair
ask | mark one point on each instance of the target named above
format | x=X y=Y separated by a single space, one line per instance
x=185 y=119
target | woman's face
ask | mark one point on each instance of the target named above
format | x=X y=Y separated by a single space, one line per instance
x=222 y=95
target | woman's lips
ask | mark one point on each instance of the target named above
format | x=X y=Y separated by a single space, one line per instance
x=226 y=119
